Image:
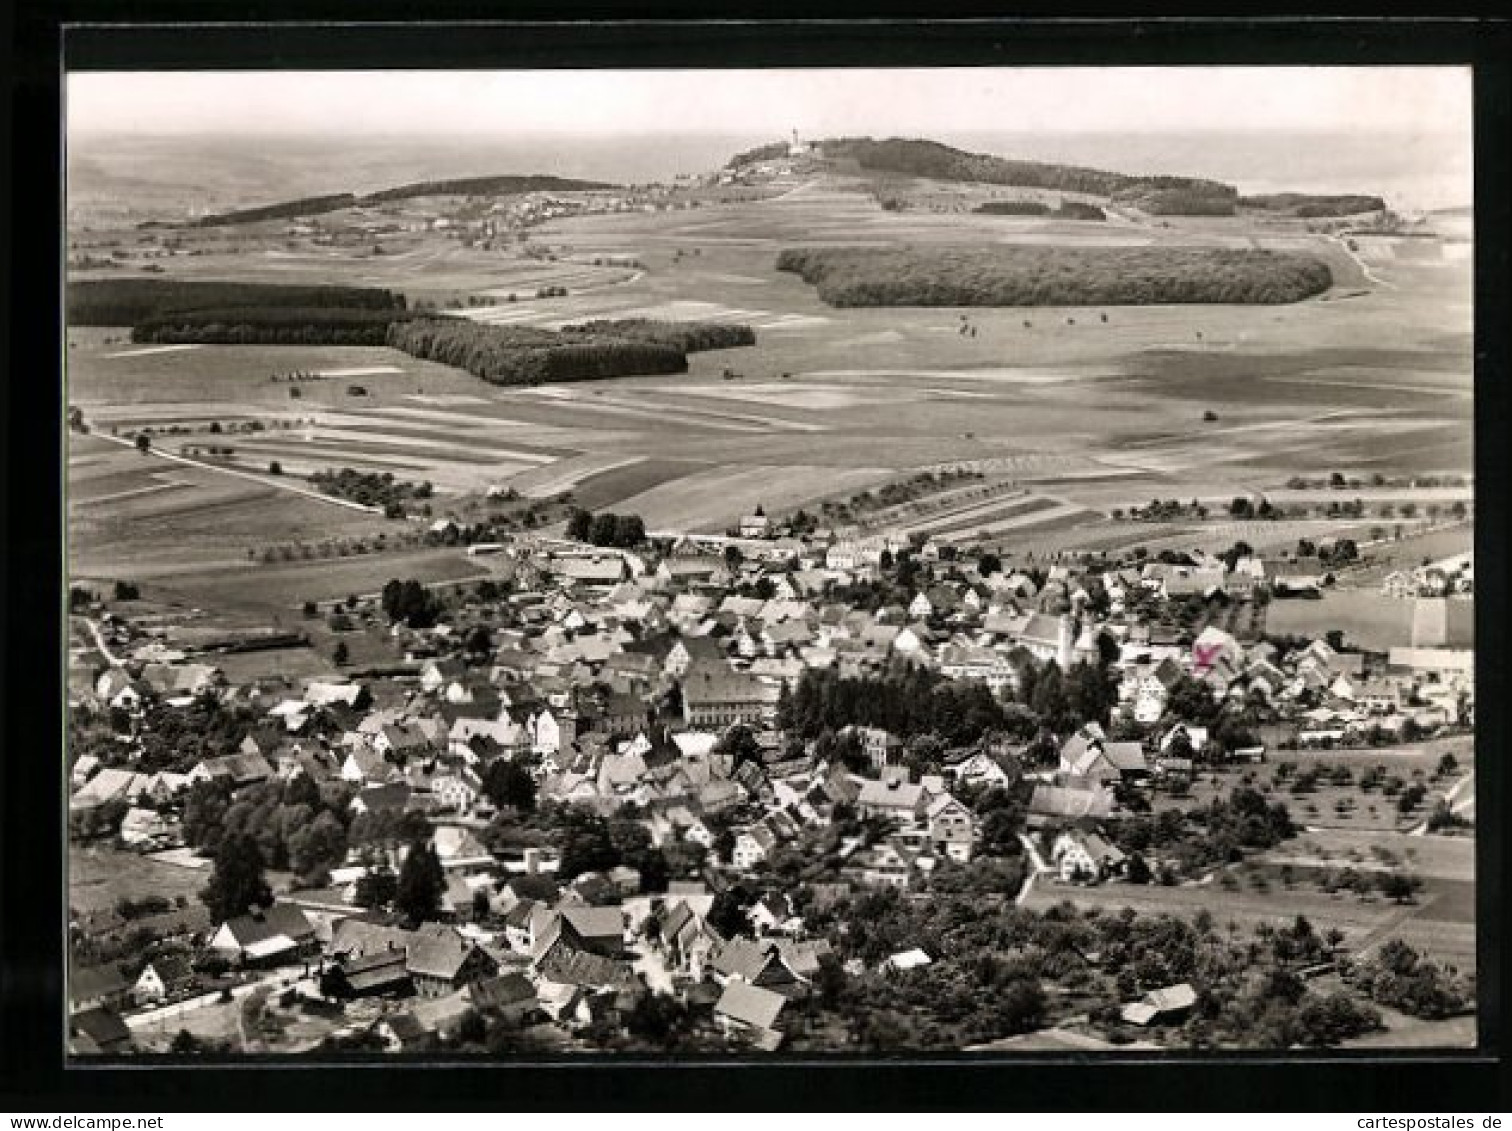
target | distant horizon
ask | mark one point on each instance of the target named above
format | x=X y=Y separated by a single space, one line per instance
x=1411 y=168
x=820 y=101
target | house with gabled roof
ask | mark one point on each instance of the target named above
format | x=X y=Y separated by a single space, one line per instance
x=952 y=828
x=751 y=1012
x=237 y=769
x=1085 y=855
x=166 y=976
x=280 y=933
x=443 y=963
x=1167 y=1004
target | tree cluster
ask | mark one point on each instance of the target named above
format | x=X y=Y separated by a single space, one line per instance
x=369 y=488
x=295 y=824
x=625 y=531
x=1053 y=276
x=523 y=355
x=905 y=702
x=410 y=602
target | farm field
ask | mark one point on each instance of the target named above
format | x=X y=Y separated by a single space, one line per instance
x=285 y=586
x=1368 y=618
x=1093 y=408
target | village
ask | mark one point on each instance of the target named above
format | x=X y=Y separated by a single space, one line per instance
x=705 y=793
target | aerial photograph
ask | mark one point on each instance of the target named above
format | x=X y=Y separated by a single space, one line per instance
x=769 y=563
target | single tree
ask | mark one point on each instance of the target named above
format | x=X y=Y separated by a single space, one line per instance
x=238 y=883
x=421 y=884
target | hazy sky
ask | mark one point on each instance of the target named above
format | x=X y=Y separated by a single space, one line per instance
x=815 y=102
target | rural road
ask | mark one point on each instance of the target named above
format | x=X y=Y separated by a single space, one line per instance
x=94 y=629
x=265 y=480
x=1361 y=264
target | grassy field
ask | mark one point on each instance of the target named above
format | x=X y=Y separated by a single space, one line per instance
x=98 y=877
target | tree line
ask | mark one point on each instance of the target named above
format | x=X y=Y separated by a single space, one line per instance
x=125 y=302
x=690 y=337
x=1309 y=205
x=498 y=185
x=273 y=326
x=1054 y=276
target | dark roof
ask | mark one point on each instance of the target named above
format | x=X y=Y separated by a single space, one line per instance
x=172 y=969
x=103 y=1028
x=442 y=956
x=502 y=991
x=744 y=958
x=583 y=968
x=382 y=968
x=85 y=983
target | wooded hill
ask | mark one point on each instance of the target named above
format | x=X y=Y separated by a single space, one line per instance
x=126 y=302
x=307 y=206
x=498 y=185
x=920 y=158
x=1008 y=275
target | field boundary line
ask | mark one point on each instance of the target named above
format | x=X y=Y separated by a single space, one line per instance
x=266 y=481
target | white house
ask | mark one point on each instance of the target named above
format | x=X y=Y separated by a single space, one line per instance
x=1085 y=856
